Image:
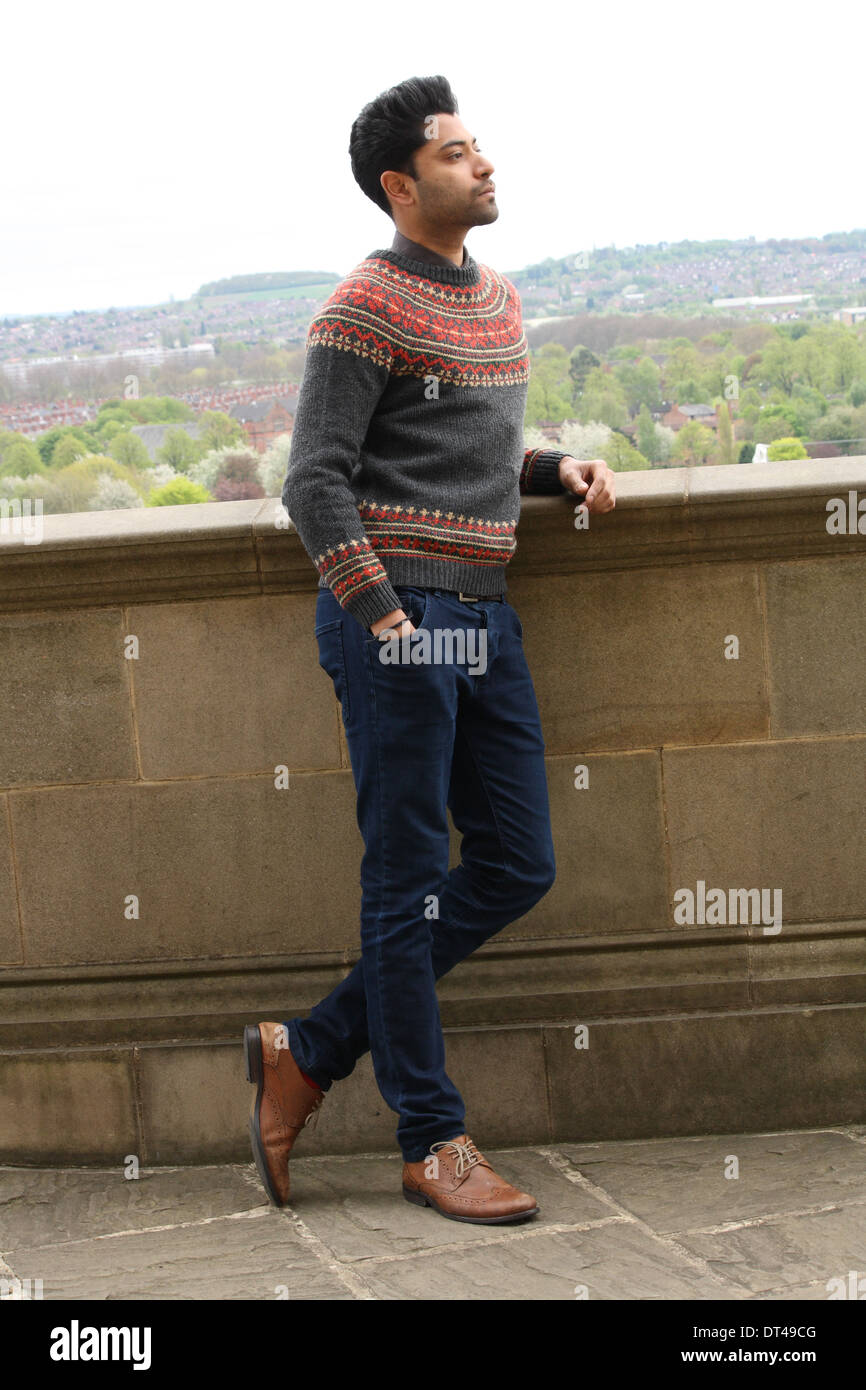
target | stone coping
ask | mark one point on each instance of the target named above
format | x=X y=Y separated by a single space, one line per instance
x=154 y=554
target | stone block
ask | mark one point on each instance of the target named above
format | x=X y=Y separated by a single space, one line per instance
x=231 y=685
x=634 y=659
x=73 y=1106
x=708 y=1074
x=220 y=866
x=784 y=816
x=816 y=638
x=64 y=692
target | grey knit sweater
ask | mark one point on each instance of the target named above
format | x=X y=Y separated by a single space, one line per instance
x=407 y=459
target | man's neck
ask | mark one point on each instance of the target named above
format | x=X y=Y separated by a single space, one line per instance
x=417 y=251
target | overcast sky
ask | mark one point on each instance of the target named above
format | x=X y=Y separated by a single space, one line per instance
x=150 y=147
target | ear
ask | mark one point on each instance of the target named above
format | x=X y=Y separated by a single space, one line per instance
x=397 y=187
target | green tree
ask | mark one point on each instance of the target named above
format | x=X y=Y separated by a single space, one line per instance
x=109 y=429
x=18 y=455
x=646 y=437
x=69 y=449
x=603 y=399
x=694 y=443
x=847 y=359
x=114 y=414
x=683 y=370
x=786 y=449
x=217 y=430
x=178 y=492
x=622 y=456
x=47 y=443
x=776 y=421
x=72 y=489
x=779 y=364
x=641 y=383
x=580 y=364
x=812 y=358
x=726 y=433
x=545 y=400
x=130 y=449
x=179 y=450
x=844 y=427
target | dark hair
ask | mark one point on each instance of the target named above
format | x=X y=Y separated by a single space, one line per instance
x=391 y=128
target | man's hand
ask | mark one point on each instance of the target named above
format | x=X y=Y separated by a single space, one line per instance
x=393 y=622
x=591 y=477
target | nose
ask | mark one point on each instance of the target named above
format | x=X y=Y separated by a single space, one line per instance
x=486 y=166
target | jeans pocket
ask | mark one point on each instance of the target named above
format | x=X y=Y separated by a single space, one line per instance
x=332 y=659
x=415 y=602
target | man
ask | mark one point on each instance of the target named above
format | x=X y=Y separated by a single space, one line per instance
x=404 y=479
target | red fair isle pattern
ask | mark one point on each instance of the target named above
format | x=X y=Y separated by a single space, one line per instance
x=433 y=534
x=351 y=568
x=467 y=335
x=437 y=534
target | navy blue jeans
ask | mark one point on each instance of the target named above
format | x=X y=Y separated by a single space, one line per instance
x=458 y=731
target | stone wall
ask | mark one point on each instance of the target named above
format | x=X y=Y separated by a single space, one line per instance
x=157 y=670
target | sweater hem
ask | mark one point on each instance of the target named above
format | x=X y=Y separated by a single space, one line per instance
x=419 y=572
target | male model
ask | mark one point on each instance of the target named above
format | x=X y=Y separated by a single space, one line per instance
x=404 y=482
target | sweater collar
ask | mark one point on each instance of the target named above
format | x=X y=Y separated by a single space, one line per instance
x=416 y=252
x=416 y=259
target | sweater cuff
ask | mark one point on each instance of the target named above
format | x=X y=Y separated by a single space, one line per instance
x=373 y=603
x=540 y=472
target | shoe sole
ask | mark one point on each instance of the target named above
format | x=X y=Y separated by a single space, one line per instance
x=418 y=1199
x=255 y=1074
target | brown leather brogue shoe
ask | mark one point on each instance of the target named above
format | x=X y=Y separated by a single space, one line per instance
x=282 y=1105
x=463 y=1186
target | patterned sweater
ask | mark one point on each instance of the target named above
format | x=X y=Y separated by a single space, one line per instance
x=407 y=459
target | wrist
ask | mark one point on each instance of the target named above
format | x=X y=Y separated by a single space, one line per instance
x=392 y=619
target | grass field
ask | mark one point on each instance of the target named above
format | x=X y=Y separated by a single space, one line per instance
x=290 y=292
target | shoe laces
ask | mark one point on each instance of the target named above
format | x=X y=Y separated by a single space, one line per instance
x=466 y=1154
x=314 y=1113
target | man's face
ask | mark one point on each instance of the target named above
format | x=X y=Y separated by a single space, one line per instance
x=453 y=178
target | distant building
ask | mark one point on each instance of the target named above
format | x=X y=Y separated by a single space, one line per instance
x=264 y=420
x=851 y=316
x=678 y=415
x=19 y=368
x=552 y=429
x=760 y=301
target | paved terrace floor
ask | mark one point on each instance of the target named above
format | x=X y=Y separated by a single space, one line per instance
x=649 y=1219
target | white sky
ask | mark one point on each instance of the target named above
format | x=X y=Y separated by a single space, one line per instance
x=150 y=147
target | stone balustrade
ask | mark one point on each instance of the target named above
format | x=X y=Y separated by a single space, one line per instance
x=179 y=853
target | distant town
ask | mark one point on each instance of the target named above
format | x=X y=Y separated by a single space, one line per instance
x=715 y=352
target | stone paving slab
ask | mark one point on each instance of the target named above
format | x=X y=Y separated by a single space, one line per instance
x=357 y=1208
x=787 y=1250
x=812 y=1293
x=251 y=1256
x=617 y=1262
x=44 y=1207
x=645 y=1220
x=680 y=1184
